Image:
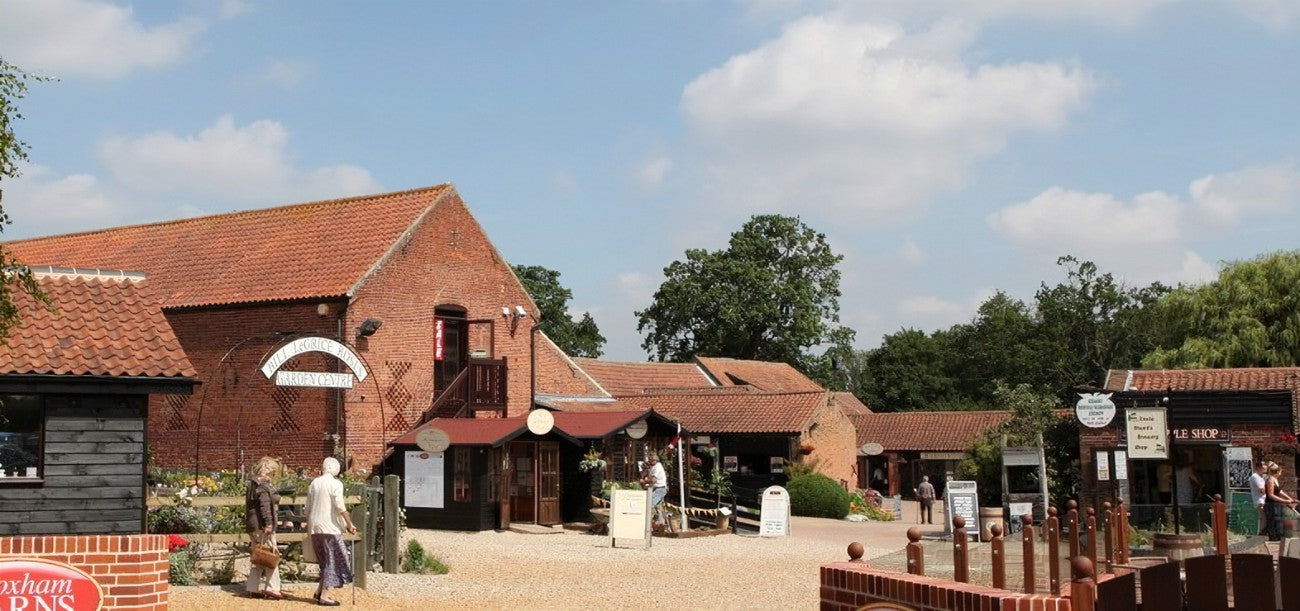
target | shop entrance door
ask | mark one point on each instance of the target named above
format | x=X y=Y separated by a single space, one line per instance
x=548 y=489
x=523 y=484
x=501 y=478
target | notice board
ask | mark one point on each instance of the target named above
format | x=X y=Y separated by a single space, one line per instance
x=629 y=517
x=774 y=516
x=963 y=501
x=424 y=479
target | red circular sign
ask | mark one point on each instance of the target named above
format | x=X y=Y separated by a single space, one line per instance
x=36 y=583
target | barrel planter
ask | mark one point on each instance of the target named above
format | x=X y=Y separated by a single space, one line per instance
x=988 y=517
x=1178 y=547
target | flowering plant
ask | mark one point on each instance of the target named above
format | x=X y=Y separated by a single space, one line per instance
x=1286 y=444
x=709 y=450
x=593 y=460
x=806 y=448
x=696 y=462
x=176 y=543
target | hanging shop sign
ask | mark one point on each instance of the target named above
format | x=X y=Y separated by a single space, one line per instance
x=318 y=379
x=1147 y=433
x=1095 y=410
x=437 y=339
x=540 y=422
x=872 y=449
x=1201 y=434
x=433 y=440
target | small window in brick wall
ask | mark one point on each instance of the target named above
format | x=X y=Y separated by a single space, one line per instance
x=461 y=483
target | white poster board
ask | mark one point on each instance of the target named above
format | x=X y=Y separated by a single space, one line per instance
x=1121 y=465
x=963 y=501
x=1102 y=458
x=1147 y=433
x=774 y=515
x=424 y=480
x=629 y=517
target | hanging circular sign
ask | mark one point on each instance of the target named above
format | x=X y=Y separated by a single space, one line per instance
x=540 y=421
x=872 y=449
x=637 y=430
x=1095 y=410
x=433 y=440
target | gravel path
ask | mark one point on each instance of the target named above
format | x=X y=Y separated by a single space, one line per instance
x=571 y=570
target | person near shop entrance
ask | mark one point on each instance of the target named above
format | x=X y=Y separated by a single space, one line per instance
x=657 y=480
x=1276 y=501
x=925 y=492
x=1257 y=481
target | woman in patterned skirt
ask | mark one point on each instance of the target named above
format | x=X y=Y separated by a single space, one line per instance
x=327 y=519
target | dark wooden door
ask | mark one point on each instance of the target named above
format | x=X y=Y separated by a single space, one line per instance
x=548 y=489
x=501 y=484
x=523 y=481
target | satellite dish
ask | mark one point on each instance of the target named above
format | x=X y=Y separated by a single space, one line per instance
x=872 y=449
x=433 y=440
x=540 y=421
x=637 y=430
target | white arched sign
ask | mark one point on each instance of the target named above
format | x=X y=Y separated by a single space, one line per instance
x=318 y=379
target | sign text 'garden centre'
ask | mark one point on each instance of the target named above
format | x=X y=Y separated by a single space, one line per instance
x=318 y=379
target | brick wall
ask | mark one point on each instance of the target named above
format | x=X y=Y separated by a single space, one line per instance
x=834 y=442
x=846 y=586
x=131 y=569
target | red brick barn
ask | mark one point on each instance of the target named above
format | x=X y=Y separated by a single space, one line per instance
x=408 y=282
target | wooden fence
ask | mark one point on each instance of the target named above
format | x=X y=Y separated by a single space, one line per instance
x=379 y=499
x=1099 y=574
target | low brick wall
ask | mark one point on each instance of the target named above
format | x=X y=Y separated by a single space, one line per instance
x=131 y=569
x=846 y=586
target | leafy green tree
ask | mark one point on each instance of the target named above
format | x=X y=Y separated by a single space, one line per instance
x=1248 y=317
x=575 y=337
x=772 y=295
x=1091 y=323
x=1033 y=412
x=14 y=278
x=1001 y=344
x=910 y=371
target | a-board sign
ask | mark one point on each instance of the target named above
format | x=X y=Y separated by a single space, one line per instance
x=774 y=512
x=629 y=517
x=872 y=449
x=1147 y=433
x=1095 y=409
x=897 y=508
x=424 y=480
x=963 y=501
x=433 y=440
x=540 y=421
x=637 y=429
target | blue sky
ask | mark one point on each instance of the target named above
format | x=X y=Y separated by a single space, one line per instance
x=947 y=149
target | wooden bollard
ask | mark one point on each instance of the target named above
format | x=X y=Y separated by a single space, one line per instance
x=1091 y=529
x=1220 y=525
x=1053 y=552
x=998 y=546
x=1121 y=528
x=1027 y=546
x=1072 y=521
x=960 y=557
x=1083 y=588
x=915 y=552
x=1109 y=523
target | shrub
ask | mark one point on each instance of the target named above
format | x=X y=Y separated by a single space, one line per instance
x=818 y=496
x=419 y=562
x=180 y=570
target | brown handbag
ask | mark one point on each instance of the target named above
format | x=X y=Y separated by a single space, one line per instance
x=266 y=556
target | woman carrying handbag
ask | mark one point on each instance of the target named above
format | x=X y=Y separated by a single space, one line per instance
x=260 y=508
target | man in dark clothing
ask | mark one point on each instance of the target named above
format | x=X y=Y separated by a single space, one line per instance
x=925 y=492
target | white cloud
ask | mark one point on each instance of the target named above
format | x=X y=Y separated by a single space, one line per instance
x=1263 y=189
x=654 y=170
x=1151 y=236
x=287 y=73
x=64 y=38
x=863 y=119
x=227 y=162
x=40 y=202
x=230 y=9
x=912 y=253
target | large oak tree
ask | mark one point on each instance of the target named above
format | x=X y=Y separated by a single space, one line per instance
x=772 y=295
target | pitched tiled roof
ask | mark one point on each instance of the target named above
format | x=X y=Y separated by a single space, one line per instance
x=470 y=431
x=764 y=375
x=596 y=424
x=735 y=412
x=99 y=326
x=850 y=404
x=926 y=431
x=1247 y=378
x=292 y=252
x=625 y=378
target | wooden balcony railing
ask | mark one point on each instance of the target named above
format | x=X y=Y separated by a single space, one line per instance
x=480 y=386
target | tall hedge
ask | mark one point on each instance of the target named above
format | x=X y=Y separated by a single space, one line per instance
x=817 y=496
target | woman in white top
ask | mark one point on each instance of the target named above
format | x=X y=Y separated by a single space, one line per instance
x=327 y=519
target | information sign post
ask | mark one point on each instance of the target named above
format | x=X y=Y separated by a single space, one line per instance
x=963 y=501
x=629 y=517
